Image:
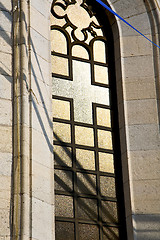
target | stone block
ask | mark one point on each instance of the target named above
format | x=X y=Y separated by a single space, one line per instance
x=42 y=93
x=42 y=220
x=6 y=5
x=43 y=6
x=5 y=87
x=145 y=164
x=5 y=112
x=5 y=198
x=5 y=42
x=140 y=22
x=6 y=21
x=5 y=222
x=6 y=139
x=40 y=68
x=146 y=191
x=140 y=88
x=42 y=182
x=142 y=112
x=5 y=182
x=127 y=9
x=6 y=64
x=42 y=147
x=40 y=45
x=42 y=120
x=36 y=22
x=143 y=137
x=138 y=66
x=135 y=46
x=5 y=164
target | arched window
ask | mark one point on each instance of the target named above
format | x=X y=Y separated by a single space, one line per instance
x=88 y=184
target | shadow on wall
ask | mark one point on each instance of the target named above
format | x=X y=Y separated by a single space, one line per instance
x=7 y=39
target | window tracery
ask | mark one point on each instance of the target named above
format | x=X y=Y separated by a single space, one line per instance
x=84 y=148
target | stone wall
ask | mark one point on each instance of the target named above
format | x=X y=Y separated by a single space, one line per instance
x=137 y=71
x=5 y=116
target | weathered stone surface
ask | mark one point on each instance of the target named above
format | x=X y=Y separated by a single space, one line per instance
x=42 y=93
x=129 y=8
x=5 y=87
x=143 y=137
x=6 y=64
x=138 y=66
x=40 y=68
x=5 y=139
x=42 y=220
x=145 y=164
x=40 y=45
x=5 y=222
x=5 y=112
x=5 y=42
x=43 y=6
x=135 y=46
x=6 y=21
x=42 y=183
x=41 y=120
x=36 y=21
x=42 y=148
x=5 y=164
x=6 y=5
x=140 y=88
x=142 y=112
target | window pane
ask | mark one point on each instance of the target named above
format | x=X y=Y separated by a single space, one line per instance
x=109 y=212
x=55 y=21
x=58 y=42
x=63 y=180
x=61 y=109
x=86 y=183
x=110 y=233
x=103 y=117
x=79 y=51
x=85 y=159
x=62 y=132
x=84 y=136
x=106 y=162
x=87 y=208
x=104 y=139
x=59 y=65
x=62 y=156
x=64 y=206
x=99 y=51
x=88 y=232
x=107 y=185
x=64 y=229
x=101 y=74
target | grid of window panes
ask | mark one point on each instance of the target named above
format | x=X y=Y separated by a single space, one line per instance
x=85 y=202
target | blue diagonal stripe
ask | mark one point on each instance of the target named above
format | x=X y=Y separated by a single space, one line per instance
x=108 y=8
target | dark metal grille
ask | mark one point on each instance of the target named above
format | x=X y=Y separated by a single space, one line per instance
x=90 y=204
